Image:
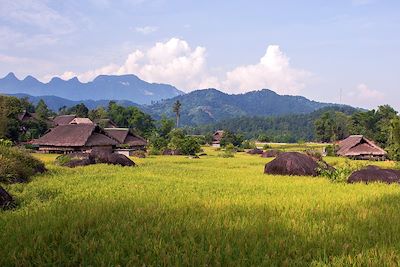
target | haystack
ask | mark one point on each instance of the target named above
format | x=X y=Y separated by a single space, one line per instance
x=272 y=153
x=372 y=174
x=6 y=200
x=255 y=151
x=293 y=163
x=82 y=159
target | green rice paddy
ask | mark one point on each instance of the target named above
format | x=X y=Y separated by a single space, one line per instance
x=212 y=211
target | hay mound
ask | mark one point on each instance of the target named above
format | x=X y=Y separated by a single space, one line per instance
x=272 y=153
x=372 y=174
x=255 y=151
x=80 y=159
x=6 y=200
x=293 y=163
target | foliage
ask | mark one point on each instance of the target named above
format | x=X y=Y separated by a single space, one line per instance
x=263 y=138
x=187 y=145
x=231 y=138
x=131 y=117
x=279 y=129
x=17 y=165
x=332 y=126
x=246 y=144
x=330 y=150
x=177 y=110
x=228 y=152
x=341 y=173
x=6 y=143
x=266 y=146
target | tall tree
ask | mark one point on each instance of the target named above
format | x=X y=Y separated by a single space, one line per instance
x=42 y=110
x=177 y=110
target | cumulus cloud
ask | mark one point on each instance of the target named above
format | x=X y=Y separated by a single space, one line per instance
x=273 y=71
x=364 y=96
x=146 y=29
x=173 y=62
x=176 y=63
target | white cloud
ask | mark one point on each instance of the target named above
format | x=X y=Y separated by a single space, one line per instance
x=273 y=71
x=35 y=13
x=176 y=63
x=363 y=96
x=146 y=29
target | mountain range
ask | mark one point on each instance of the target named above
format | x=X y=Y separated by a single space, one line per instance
x=198 y=107
x=102 y=87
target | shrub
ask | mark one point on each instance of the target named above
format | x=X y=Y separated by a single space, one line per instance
x=229 y=151
x=62 y=160
x=17 y=165
x=330 y=150
x=5 y=143
x=266 y=146
x=249 y=145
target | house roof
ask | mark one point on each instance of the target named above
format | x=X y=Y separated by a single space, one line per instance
x=356 y=145
x=63 y=119
x=25 y=115
x=106 y=123
x=75 y=135
x=81 y=121
x=217 y=136
x=125 y=136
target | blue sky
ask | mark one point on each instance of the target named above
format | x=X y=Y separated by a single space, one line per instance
x=310 y=48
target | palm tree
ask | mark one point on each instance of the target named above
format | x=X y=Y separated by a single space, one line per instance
x=177 y=110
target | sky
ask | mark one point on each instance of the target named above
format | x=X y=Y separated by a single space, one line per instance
x=342 y=51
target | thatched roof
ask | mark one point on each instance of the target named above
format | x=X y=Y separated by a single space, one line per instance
x=81 y=121
x=217 y=136
x=26 y=116
x=125 y=137
x=75 y=135
x=106 y=123
x=63 y=119
x=375 y=174
x=358 y=145
x=293 y=163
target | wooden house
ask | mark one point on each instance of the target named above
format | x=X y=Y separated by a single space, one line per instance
x=359 y=147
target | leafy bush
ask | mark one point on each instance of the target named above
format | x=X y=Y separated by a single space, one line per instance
x=62 y=160
x=341 y=173
x=330 y=151
x=229 y=151
x=17 y=165
x=266 y=146
x=249 y=145
x=5 y=143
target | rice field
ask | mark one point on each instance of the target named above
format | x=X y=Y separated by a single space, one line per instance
x=212 y=211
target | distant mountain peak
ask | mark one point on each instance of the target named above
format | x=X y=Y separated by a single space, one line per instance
x=11 y=76
x=120 y=87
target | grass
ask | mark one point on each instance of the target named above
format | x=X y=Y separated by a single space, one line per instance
x=213 y=211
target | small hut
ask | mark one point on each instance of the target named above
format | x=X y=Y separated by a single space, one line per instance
x=128 y=142
x=217 y=137
x=359 y=147
x=75 y=138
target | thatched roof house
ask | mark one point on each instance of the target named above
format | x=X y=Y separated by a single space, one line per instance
x=63 y=119
x=106 y=123
x=359 y=147
x=75 y=137
x=27 y=116
x=127 y=141
x=217 y=137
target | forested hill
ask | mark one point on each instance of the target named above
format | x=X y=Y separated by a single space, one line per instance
x=210 y=105
x=207 y=106
x=286 y=128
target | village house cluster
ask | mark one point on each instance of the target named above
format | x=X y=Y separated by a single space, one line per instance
x=69 y=134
